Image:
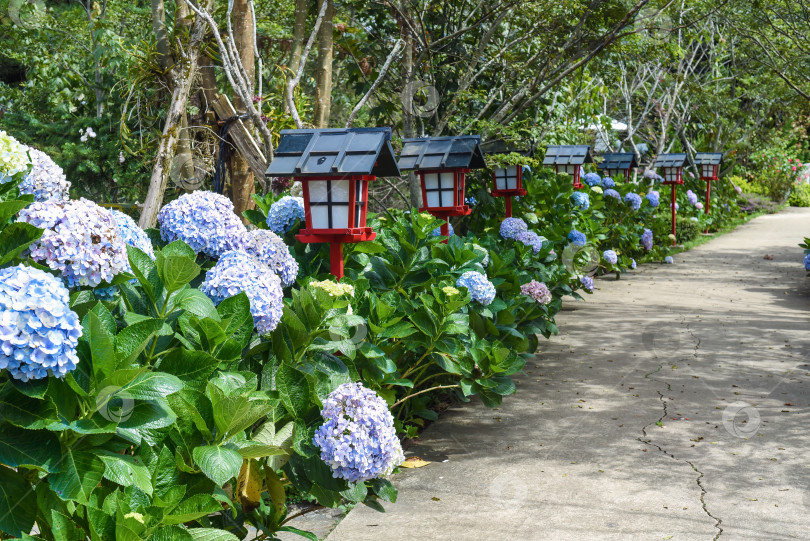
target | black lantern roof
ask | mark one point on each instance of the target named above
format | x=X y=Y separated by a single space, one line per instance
x=708 y=158
x=670 y=160
x=455 y=152
x=618 y=160
x=499 y=146
x=334 y=152
x=568 y=155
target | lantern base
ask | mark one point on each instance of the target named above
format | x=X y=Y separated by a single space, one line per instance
x=672 y=182
x=508 y=193
x=444 y=212
x=356 y=234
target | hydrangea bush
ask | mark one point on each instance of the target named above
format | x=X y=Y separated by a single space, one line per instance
x=46 y=179
x=592 y=179
x=479 y=286
x=610 y=257
x=237 y=272
x=634 y=200
x=39 y=332
x=271 y=250
x=512 y=227
x=358 y=440
x=284 y=213
x=13 y=157
x=577 y=238
x=581 y=200
x=81 y=241
x=203 y=220
x=538 y=291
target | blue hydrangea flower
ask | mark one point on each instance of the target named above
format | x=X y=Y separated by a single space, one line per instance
x=481 y=289
x=530 y=238
x=807 y=262
x=610 y=192
x=438 y=231
x=633 y=264
x=284 y=212
x=470 y=201
x=81 y=241
x=38 y=330
x=677 y=206
x=270 y=249
x=653 y=198
x=587 y=282
x=608 y=182
x=647 y=239
x=203 y=220
x=46 y=179
x=512 y=227
x=577 y=238
x=581 y=200
x=592 y=179
x=691 y=197
x=239 y=271
x=610 y=257
x=132 y=234
x=634 y=199
x=358 y=439
x=668 y=260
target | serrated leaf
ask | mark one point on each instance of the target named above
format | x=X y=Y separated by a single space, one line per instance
x=18 y=503
x=220 y=464
x=19 y=447
x=79 y=474
x=126 y=470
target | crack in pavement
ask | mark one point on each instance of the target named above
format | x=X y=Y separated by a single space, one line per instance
x=718 y=521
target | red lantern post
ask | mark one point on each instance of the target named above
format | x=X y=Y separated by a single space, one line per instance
x=508 y=183
x=334 y=167
x=709 y=164
x=672 y=164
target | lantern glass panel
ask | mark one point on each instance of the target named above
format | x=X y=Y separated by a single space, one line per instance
x=671 y=174
x=506 y=178
x=359 y=220
x=329 y=203
x=440 y=189
x=571 y=169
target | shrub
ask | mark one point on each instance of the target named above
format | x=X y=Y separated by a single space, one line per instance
x=687 y=228
x=800 y=196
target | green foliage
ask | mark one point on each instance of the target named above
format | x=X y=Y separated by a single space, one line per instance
x=800 y=196
x=688 y=229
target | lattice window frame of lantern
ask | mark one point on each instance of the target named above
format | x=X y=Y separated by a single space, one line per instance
x=457 y=191
x=673 y=175
x=357 y=194
x=502 y=176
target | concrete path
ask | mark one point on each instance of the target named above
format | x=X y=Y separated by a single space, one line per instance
x=673 y=405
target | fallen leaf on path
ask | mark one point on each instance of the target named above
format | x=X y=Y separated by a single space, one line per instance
x=414 y=462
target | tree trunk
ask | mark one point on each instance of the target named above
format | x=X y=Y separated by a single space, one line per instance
x=299 y=33
x=182 y=78
x=323 y=73
x=242 y=179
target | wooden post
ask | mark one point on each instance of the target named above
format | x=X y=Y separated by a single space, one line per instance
x=242 y=138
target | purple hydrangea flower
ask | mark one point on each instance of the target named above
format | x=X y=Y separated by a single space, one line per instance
x=668 y=260
x=592 y=179
x=46 y=179
x=612 y=193
x=691 y=197
x=203 y=220
x=577 y=238
x=807 y=262
x=699 y=206
x=81 y=240
x=634 y=199
x=438 y=231
x=239 y=271
x=284 y=212
x=512 y=227
x=677 y=206
x=270 y=249
x=633 y=264
x=581 y=200
x=608 y=182
x=530 y=238
x=653 y=198
x=647 y=239
x=358 y=439
x=481 y=289
x=537 y=291
x=587 y=282
x=38 y=330
x=610 y=257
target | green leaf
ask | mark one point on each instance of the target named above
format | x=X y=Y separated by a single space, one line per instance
x=233 y=414
x=132 y=340
x=293 y=388
x=252 y=449
x=10 y=208
x=126 y=470
x=220 y=464
x=195 y=507
x=211 y=534
x=180 y=249
x=195 y=302
x=192 y=367
x=384 y=489
x=64 y=528
x=176 y=270
x=79 y=474
x=356 y=492
x=146 y=385
x=298 y=531
x=102 y=345
x=19 y=447
x=18 y=503
x=15 y=238
x=35 y=388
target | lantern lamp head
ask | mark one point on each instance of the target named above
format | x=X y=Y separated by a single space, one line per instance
x=568 y=159
x=672 y=166
x=442 y=164
x=618 y=163
x=709 y=164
